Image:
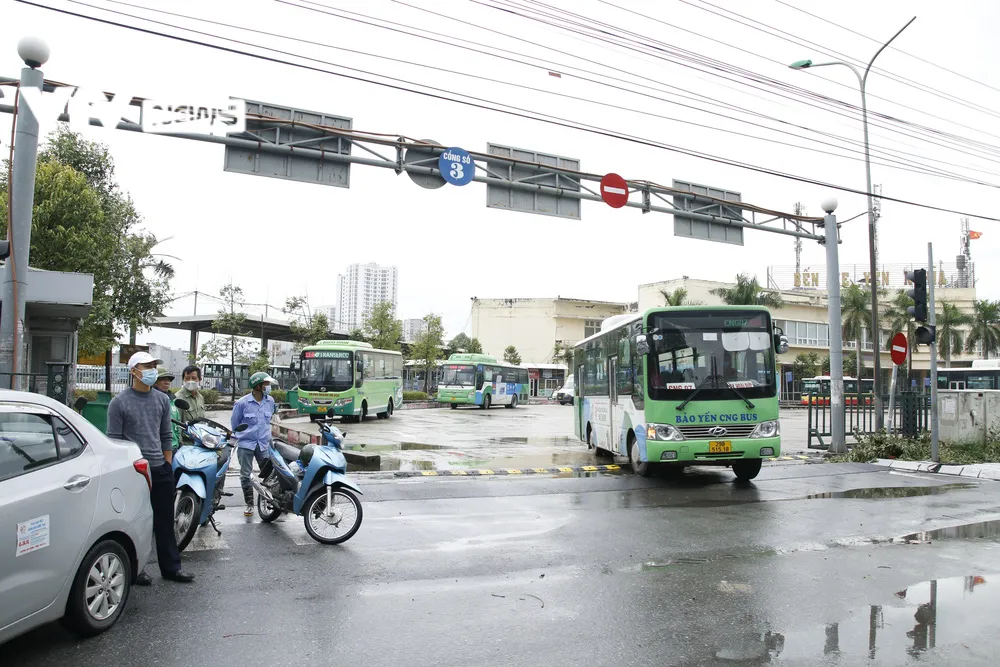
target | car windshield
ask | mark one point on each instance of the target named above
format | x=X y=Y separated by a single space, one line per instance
x=458 y=375
x=716 y=351
x=327 y=371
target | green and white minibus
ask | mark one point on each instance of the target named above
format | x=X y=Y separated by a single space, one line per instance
x=677 y=386
x=479 y=379
x=350 y=379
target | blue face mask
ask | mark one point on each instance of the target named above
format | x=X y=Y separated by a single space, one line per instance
x=149 y=376
x=267 y=389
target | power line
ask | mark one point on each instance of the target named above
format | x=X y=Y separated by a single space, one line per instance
x=511 y=110
x=891 y=161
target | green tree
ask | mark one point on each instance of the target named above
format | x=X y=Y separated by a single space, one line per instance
x=381 y=328
x=562 y=353
x=850 y=368
x=985 y=328
x=260 y=363
x=677 y=298
x=856 y=311
x=462 y=343
x=748 y=292
x=901 y=321
x=805 y=365
x=357 y=334
x=307 y=327
x=230 y=326
x=949 y=335
x=511 y=355
x=427 y=348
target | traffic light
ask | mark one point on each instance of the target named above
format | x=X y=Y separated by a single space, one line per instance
x=925 y=335
x=918 y=294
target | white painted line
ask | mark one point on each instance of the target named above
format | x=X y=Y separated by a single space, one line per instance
x=206 y=539
x=615 y=191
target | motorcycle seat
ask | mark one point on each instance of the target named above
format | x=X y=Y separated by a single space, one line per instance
x=286 y=451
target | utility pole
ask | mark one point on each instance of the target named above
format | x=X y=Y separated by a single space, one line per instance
x=34 y=52
x=838 y=414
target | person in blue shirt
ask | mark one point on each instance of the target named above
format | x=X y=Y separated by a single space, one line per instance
x=255 y=410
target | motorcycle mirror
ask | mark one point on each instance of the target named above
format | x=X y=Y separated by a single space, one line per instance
x=182 y=404
x=241 y=428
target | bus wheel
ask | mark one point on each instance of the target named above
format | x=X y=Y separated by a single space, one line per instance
x=486 y=402
x=513 y=402
x=590 y=437
x=364 y=411
x=641 y=468
x=454 y=406
x=747 y=469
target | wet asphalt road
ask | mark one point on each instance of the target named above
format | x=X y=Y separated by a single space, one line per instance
x=795 y=569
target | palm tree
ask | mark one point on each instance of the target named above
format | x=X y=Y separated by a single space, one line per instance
x=748 y=292
x=985 y=328
x=901 y=321
x=856 y=309
x=949 y=338
x=678 y=298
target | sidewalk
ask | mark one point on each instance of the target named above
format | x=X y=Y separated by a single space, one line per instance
x=989 y=471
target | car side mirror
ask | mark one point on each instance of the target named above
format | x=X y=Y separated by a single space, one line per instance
x=182 y=404
x=642 y=344
x=241 y=428
x=80 y=403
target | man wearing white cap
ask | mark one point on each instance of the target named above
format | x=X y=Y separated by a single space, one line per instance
x=143 y=417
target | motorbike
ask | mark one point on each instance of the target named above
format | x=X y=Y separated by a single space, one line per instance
x=200 y=470
x=311 y=483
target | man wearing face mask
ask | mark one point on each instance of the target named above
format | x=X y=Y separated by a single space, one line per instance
x=191 y=392
x=255 y=410
x=142 y=416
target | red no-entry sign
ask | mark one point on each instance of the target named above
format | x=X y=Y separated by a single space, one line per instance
x=899 y=349
x=614 y=190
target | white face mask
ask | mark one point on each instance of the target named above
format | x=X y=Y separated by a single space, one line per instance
x=191 y=385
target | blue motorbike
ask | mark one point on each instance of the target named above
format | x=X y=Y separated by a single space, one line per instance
x=200 y=470
x=317 y=489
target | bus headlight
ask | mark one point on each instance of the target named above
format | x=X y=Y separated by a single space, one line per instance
x=305 y=400
x=344 y=401
x=472 y=394
x=663 y=432
x=767 y=429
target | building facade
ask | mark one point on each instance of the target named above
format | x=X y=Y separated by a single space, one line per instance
x=536 y=327
x=413 y=328
x=331 y=315
x=360 y=289
x=805 y=321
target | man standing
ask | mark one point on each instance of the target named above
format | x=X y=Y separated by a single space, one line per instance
x=191 y=392
x=255 y=410
x=164 y=378
x=143 y=416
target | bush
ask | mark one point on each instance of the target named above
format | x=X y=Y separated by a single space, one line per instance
x=89 y=394
x=211 y=396
x=414 y=396
x=883 y=446
x=279 y=395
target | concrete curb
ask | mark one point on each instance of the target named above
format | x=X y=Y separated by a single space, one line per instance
x=299 y=438
x=989 y=471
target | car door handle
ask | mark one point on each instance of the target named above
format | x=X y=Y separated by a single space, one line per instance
x=76 y=483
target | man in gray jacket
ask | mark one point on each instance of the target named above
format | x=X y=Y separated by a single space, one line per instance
x=143 y=416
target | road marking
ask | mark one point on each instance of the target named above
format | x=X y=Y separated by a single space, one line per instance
x=206 y=539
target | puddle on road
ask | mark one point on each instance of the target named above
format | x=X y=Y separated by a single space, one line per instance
x=880 y=492
x=952 y=615
x=968 y=531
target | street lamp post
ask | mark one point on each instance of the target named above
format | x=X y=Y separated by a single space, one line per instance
x=876 y=329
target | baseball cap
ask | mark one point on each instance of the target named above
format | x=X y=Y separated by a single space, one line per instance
x=142 y=358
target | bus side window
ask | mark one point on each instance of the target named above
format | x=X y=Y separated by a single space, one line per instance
x=624 y=378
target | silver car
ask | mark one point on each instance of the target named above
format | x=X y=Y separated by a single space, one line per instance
x=78 y=505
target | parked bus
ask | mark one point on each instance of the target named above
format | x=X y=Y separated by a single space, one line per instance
x=816 y=390
x=984 y=374
x=349 y=379
x=677 y=386
x=479 y=379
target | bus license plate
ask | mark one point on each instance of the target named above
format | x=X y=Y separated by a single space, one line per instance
x=720 y=446
x=321 y=409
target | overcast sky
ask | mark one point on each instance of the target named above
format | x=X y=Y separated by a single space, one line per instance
x=278 y=239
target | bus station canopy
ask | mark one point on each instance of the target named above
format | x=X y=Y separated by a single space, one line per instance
x=265 y=328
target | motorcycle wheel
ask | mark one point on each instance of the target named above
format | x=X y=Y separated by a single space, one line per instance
x=266 y=511
x=324 y=531
x=187 y=510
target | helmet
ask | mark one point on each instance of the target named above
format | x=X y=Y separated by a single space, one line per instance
x=259 y=378
x=306 y=454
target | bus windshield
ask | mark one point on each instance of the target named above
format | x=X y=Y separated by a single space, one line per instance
x=327 y=371
x=712 y=351
x=458 y=375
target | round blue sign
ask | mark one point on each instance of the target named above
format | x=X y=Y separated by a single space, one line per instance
x=457 y=166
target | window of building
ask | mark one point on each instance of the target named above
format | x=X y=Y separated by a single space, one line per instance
x=591 y=327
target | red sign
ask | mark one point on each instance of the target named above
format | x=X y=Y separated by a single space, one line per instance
x=614 y=190
x=899 y=348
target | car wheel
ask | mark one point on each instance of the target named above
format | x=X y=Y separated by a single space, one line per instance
x=747 y=469
x=100 y=589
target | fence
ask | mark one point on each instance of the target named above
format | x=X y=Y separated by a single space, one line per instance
x=911 y=416
x=53 y=383
x=93 y=378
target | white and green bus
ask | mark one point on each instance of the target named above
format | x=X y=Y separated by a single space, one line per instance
x=349 y=379
x=479 y=379
x=679 y=386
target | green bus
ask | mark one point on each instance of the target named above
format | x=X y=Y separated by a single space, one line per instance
x=679 y=386
x=349 y=379
x=479 y=379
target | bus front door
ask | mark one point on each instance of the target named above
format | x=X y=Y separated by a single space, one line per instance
x=614 y=412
